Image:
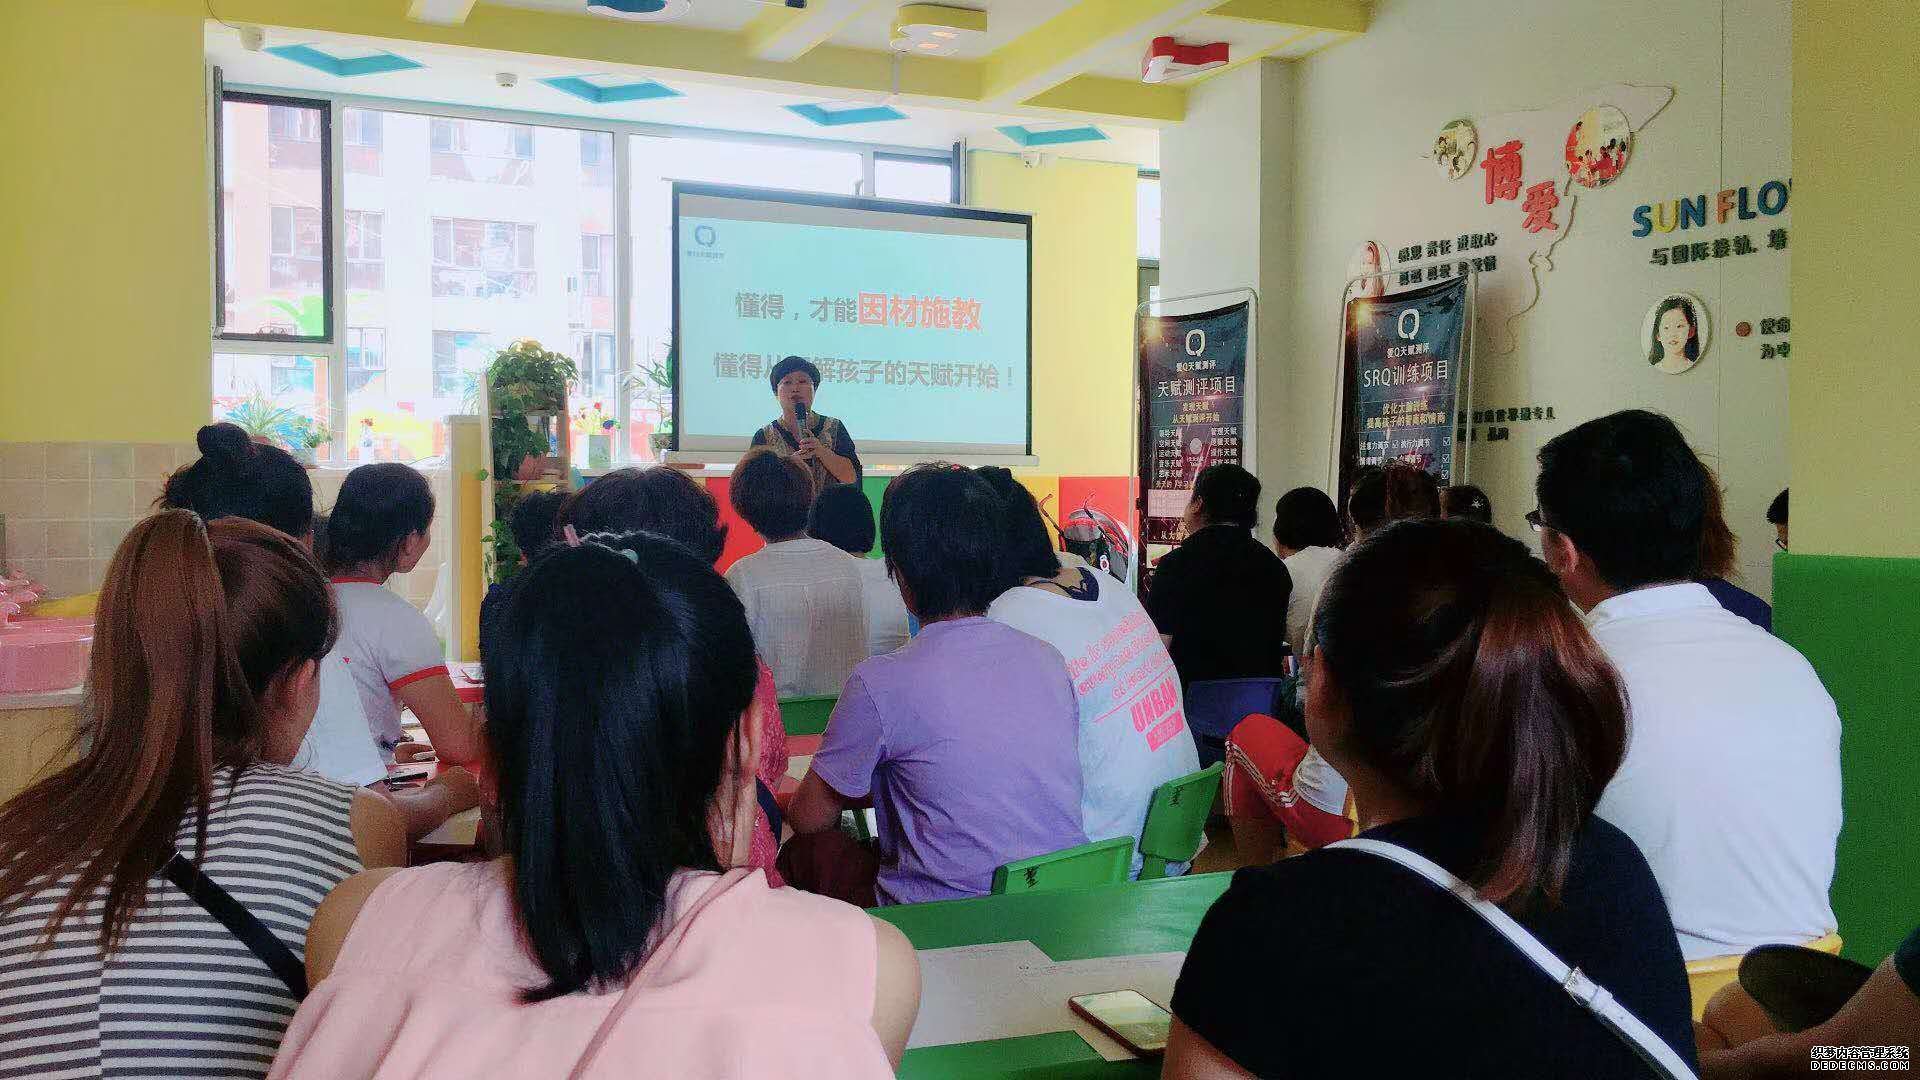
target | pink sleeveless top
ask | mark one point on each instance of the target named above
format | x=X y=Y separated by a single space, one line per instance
x=747 y=982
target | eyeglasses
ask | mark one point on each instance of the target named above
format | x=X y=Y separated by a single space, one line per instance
x=1779 y=543
x=1537 y=520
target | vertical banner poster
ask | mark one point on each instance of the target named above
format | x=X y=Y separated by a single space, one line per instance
x=1193 y=369
x=1405 y=364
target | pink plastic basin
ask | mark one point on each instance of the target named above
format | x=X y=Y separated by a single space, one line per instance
x=44 y=654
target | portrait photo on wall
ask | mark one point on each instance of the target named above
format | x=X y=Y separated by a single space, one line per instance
x=1675 y=334
x=1456 y=147
x=1363 y=270
x=1598 y=146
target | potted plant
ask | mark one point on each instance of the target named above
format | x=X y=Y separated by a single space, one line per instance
x=527 y=386
x=304 y=439
x=259 y=417
x=599 y=426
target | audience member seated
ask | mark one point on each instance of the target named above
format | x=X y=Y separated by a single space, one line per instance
x=1133 y=729
x=667 y=502
x=803 y=596
x=1307 y=537
x=966 y=740
x=1220 y=597
x=613 y=938
x=1731 y=784
x=1466 y=501
x=531 y=522
x=842 y=515
x=1379 y=495
x=239 y=478
x=1720 y=560
x=380 y=526
x=1777 y=517
x=205 y=673
x=1738 y=1041
x=1478 y=722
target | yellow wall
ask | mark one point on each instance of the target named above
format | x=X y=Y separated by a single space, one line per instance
x=1085 y=286
x=105 y=295
x=1855 y=387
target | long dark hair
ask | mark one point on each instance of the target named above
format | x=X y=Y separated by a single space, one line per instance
x=609 y=745
x=237 y=477
x=1657 y=352
x=379 y=507
x=195 y=622
x=1391 y=492
x=1474 y=686
x=656 y=500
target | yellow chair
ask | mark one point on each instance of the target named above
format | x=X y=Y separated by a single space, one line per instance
x=1706 y=977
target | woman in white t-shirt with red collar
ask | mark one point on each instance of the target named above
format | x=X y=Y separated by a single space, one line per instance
x=380 y=527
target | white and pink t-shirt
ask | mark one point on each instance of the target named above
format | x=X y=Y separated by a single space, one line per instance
x=1133 y=726
x=387 y=644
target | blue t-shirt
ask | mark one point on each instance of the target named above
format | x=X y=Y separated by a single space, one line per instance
x=967 y=739
x=1741 y=602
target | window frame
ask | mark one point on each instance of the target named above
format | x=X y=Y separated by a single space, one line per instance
x=333 y=219
x=330 y=223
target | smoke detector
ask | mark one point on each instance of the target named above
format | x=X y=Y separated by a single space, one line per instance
x=935 y=29
x=640 y=10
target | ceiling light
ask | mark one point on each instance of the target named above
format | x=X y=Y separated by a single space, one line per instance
x=640 y=10
x=935 y=28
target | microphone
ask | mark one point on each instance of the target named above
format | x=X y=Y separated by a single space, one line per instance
x=800 y=416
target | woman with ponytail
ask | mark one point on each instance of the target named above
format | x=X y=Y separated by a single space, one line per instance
x=614 y=939
x=1478 y=722
x=204 y=677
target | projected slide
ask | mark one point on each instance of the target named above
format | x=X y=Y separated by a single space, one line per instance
x=916 y=317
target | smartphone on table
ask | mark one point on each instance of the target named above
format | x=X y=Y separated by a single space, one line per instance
x=1127 y=1015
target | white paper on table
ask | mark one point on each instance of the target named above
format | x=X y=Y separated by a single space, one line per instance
x=798 y=765
x=460 y=830
x=1008 y=989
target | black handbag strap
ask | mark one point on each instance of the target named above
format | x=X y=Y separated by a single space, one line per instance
x=242 y=923
x=768 y=807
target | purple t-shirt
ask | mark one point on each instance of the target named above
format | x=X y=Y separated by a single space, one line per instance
x=967 y=738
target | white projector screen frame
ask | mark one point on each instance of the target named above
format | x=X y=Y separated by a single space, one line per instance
x=714 y=448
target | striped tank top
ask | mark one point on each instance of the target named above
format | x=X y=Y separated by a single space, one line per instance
x=180 y=996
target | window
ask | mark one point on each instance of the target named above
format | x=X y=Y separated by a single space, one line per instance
x=599 y=367
x=482 y=151
x=596 y=262
x=456 y=355
x=596 y=161
x=363 y=138
x=1147 y=215
x=366 y=357
x=273 y=230
x=366 y=266
x=916 y=179
x=283 y=396
x=483 y=259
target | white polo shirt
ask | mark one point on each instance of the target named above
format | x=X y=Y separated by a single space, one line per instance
x=1731 y=782
x=339 y=745
x=387 y=644
x=807 y=606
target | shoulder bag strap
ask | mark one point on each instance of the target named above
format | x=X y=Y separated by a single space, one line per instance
x=240 y=922
x=1591 y=995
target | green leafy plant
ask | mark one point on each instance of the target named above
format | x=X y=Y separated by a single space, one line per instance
x=260 y=417
x=525 y=378
x=305 y=434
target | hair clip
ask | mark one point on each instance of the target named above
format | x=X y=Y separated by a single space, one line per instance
x=572 y=538
x=632 y=555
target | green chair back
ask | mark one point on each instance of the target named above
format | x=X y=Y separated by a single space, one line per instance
x=806 y=715
x=1177 y=820
x=1104 y=862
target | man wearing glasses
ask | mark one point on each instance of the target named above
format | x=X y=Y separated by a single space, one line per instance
x=1731 y=782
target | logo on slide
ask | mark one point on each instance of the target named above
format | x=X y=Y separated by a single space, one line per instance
x=704 y=235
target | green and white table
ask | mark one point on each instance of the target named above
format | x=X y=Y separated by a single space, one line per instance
x=1077 y=924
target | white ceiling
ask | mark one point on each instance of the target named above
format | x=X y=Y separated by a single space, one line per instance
x=467 y=77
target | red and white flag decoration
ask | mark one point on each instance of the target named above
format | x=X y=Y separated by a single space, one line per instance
x=1168 y=59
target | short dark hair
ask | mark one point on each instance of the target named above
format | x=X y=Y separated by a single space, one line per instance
x=379 y=506
x=1630 y=493
x=1304 y=518
x=1026 y=547
x=1228 y=495
x=608 y=746
x=1466 y=501
x=773 y=493
x=1474 y=686
x=1777 y=509
x=790 y=365
x=237 y=477
x=658 y=500
x=842 y=515
x=532 y=520
x=1392 y=491
x=940 y=527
